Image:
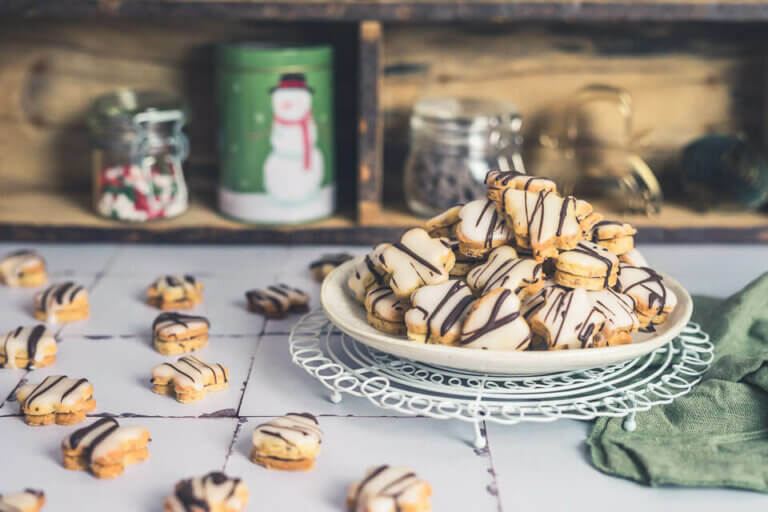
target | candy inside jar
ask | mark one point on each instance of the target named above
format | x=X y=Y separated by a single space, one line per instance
x=137 y=152
x=455 y=142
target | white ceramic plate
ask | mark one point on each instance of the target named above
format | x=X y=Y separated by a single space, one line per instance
x=349 y=316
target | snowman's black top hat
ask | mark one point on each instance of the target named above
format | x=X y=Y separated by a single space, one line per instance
x=293 y=81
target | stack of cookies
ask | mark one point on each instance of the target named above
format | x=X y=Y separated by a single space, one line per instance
x=524 y=268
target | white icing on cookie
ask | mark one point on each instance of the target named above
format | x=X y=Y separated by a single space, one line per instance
x=298 y=430
x=216 y=490
x=504 y=270
x=565 y=317
x=543 y=217
x=634 y=258
x=386 y=489
x=481 y=225
x=25 y=501
x=57 y=297
x=14 y=265
x=191 y=371
x=595 y=260
x=186 y=282
x=383 y=303
x=495 y=323
x=444 y=224
x=172 y=324
x=497 y=182
x=55 y=390
x=415 y=261
x=440 y=309
x=618 y=309
x=368 y=272
x=606 y=230
x=104 y=437
x=647 y=287
x=28 y=342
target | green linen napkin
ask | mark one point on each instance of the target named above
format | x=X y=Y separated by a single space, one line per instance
x=717 y=435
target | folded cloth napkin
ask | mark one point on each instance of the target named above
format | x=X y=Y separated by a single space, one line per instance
x=717 y=435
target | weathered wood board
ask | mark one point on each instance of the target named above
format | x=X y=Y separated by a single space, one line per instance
x=51 y=70
x=685 y=80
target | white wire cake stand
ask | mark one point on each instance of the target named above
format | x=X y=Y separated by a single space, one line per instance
x=344 y=365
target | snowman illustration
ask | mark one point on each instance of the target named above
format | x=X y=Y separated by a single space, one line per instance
x=293 y=170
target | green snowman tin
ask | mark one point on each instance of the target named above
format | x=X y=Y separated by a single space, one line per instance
x=275 y=110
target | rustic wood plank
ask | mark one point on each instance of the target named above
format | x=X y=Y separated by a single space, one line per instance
x=370 y=143
x=398 y=10
x=685 y=81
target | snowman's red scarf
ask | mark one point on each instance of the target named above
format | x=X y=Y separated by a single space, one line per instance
x=304 y=123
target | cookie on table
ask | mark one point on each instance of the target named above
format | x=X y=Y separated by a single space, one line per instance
x=176 y=333
x=416 y=260
x=634 y=258
x=495 y=323
x=289 y=443
x=654 y=300
x=588 y=265
x=389 y=489
x=325 y=264
x=444 y=224
x=481 y=228
x=617 y=237
x=214 y=492
x=504 y=269
x=62 y=302
x=23 y=268
x=57 y=399
x=463 y=263
x=28 y=500
x=277 y=301
x=385 y=311
x=27 y=347
x=564 y=317
x=438 y=312
x=368 y=272
x=498 y=182
x=544 y=221
x=189 y=378
x=620 y=317
x=104 y=448
x=175 y=292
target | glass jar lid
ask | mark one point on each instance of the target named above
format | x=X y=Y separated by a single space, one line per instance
x=468 y=114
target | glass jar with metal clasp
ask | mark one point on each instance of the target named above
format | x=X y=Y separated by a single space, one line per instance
x=455 y=142
x=138 y=147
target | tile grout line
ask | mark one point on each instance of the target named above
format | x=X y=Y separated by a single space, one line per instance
x=248 y=375
x=7 y=398
x=231 y=447
x=493 y=487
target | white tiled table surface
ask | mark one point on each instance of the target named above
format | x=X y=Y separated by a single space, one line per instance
x=525 y=467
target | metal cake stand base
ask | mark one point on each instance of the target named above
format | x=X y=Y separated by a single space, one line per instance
x=344 y=365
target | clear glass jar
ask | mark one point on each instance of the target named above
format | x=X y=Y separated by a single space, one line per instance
x=137 y=150
x=455 y=142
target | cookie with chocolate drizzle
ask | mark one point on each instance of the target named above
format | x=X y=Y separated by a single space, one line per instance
x=277 y=301
x=481 y=229
x=654 y=300
x=438 y=312
x=62 y=302
x=189 y=378
x=289 y=443
x=323 y=266
x=23 y=268
x=444 y=224
x=104 y=448
x=588 y=265
x=27 y=347
x=495 y=323
x=504 y=269
x=368 y=272
x=497 y=182
x=390 y=489
x=214 y=492
x=175 y=292
x=28 y=500
x=416 y=260
x=385 y=311
x=617 y=237
x=57 y=399
x=176 y=333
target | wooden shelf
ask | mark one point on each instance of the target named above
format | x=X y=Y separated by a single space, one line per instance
x=68 y=217
x=51 y=216
x=401 y=10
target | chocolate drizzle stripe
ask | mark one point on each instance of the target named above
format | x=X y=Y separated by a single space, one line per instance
x=78 y=435
x=416 y=257
x=76 y=385
x=373 y=474
x=37 y=391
